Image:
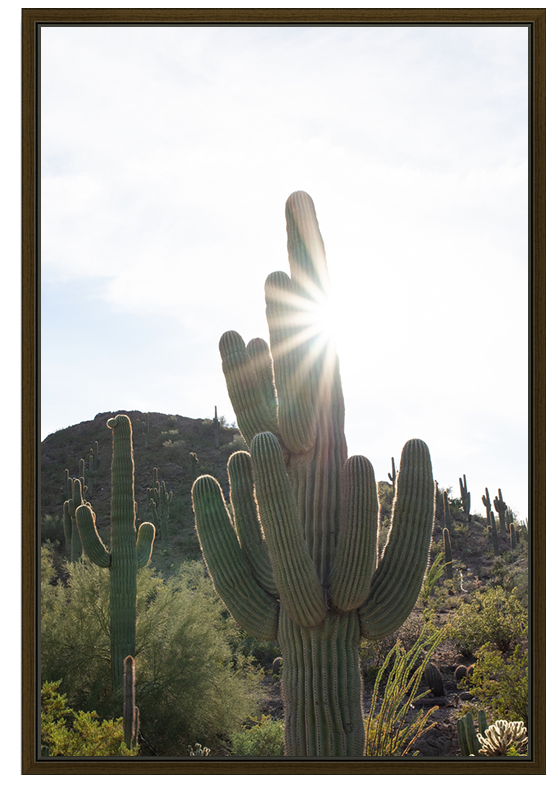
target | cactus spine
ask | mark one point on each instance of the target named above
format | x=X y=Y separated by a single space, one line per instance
x=129 y=549
x=465 y=497
x=302 y=565
x=448 y=565
x=500 y=507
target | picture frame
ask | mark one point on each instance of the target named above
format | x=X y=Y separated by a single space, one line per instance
x=32 y=20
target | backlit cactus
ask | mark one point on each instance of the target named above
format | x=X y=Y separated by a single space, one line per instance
x=159 y=503
x=129 y=549
x=298 y=560
x=487 y=505
x=500 y=736
x=448 y=558
x=130 y=712
x=71 y=533
x=465 y=497
x=500 y=507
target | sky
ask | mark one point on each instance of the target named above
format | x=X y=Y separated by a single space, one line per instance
x=167 y=155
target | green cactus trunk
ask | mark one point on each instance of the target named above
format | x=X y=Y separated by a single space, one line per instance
x=298 y=561
x=129 y=550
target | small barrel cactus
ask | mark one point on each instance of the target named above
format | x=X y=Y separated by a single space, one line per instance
x=433 y=679
x=460 y=673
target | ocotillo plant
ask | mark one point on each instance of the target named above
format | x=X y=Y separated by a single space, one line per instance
x=448 y=558
x=500 y=507
x=299 y=560
x=486 y=504
x=393 y=474
x=129 y=549
x=465 y=497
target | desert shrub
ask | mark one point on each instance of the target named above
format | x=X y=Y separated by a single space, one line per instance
x=77 y=733
x=237 y=443
x=52 y=528
x=500 y=685
x=262 y=737
x=491 y=617
x=193 y=683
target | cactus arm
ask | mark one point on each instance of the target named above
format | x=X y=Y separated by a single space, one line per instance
x=260 y=358
x=246 y=520
x=356 y=556
x=247 y=398
x=253 y=608
x=397 y=581
x=92 y=544
x=144 y=546
x=293 y=569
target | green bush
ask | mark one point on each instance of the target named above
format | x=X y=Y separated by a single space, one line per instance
x=69 y=733
x=500 y=684
x=490 y=617
x=193 y=683
x=260 y=738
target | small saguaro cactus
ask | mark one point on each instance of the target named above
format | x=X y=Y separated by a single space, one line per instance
x=194 y=465
x=71 y=532
x=447 y=512
x=487 y=505
x=494 y=534
x=217 y=429
x=448 y=558
x=467 y=736
x=393 y=474
x=130 y=712
x=298 y=559
x=465 y=497
x=129 y=549
x=500 y=507
x=159 y=503
x=514 y=537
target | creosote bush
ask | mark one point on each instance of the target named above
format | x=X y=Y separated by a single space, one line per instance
x=499 y=683
x=77 y=733
x=491 y=617
x=263 y=737
x=193 y=683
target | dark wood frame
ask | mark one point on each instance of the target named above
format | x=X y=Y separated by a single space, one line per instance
x=32 y=19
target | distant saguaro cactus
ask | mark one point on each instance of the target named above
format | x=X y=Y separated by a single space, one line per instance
x=71 y=533
x=217 y=429
x=501 y=508
x=448 y=558
x=303 y=564
x=487 y=505
x=393 y=474
x=465 y=497
x=129 y=550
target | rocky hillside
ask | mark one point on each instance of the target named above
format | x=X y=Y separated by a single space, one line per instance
x=160 y=441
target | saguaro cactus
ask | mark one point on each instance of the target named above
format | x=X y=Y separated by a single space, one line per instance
x=129 y=549
x=465 y=497
x=448 y=565
x=486 y=504
x=130 y=712
x=500 y=507
x=299 y=559
x=71 y=533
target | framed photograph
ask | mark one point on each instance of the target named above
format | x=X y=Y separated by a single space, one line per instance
x=283 y=391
